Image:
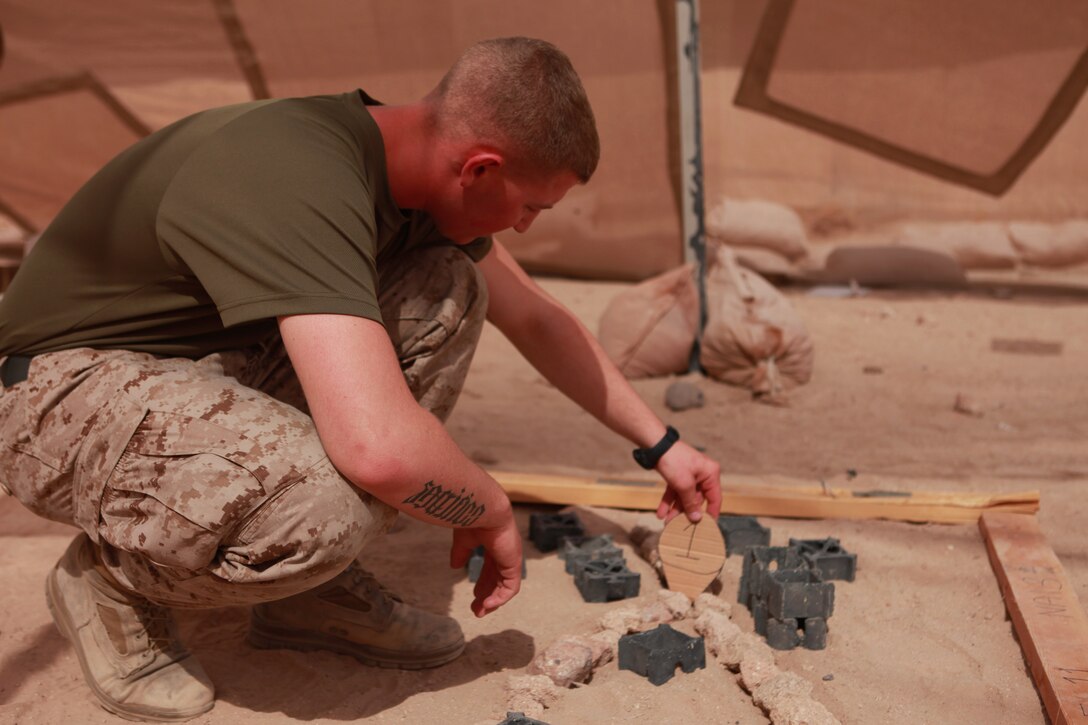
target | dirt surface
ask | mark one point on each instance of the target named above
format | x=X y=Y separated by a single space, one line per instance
x=920 y=637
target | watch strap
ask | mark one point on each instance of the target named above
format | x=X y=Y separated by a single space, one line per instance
x=648 y=457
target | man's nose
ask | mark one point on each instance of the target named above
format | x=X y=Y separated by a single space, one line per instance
x=526 y=221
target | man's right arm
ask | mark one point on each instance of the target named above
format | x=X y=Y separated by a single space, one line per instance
x=381 y=440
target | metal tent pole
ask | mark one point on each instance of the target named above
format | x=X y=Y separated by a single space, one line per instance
x=691 y=155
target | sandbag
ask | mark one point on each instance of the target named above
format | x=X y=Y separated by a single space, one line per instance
x=758 y=223
x=764 y=262
x=1051 y=245
x=649 y=329
x=753 y=337
x=975 y=245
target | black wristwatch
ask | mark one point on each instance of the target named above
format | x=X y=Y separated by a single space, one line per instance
x=648 y=457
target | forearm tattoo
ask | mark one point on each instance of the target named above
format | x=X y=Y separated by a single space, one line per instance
x=459 y=509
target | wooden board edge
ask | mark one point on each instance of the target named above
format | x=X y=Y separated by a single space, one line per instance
x=778 y=501
x=1035 y=578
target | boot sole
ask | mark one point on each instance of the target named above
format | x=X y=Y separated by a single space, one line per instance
x=62 y=618
x=264 y=635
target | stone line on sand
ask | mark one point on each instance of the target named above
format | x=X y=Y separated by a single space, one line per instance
x=570 y=661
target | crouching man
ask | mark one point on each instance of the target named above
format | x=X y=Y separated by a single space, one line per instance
x=229 y=357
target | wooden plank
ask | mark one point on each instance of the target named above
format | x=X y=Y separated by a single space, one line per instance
x=769 y=500
x=1048 y=619
x=632 y=493
x=919 y=506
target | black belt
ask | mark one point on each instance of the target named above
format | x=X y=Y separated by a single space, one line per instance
x=14 y=369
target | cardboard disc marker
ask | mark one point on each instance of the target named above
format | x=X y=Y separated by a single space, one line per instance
x=691 y=554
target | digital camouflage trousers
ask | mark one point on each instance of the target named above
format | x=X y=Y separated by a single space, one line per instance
x=203 y=482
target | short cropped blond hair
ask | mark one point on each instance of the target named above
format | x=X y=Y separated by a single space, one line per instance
x=521 y=94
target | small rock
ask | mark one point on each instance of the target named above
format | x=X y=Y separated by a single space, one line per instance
x=719 y=633
x=526 y=706
x=679 y=604
x=746 y=647
x=655 y=613
x=733 y=651
x=754 y=671
x=828 y=677
x=782 y=686
x=530 y=694
x=967 y=405
x=604 y=645
x=623 y=620
x=709 y=602
x=872 y=370
x=683 y=395
x=800 y=711
x=565 y=662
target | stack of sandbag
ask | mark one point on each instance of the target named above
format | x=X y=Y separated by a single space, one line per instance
x=1001 y=245
x=753 y=337
x=974 y=245
x=767 y=237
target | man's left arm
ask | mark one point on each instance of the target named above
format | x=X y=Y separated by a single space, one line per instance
x=560 y=347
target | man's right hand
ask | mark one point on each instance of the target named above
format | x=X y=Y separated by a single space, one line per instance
x=500 y=578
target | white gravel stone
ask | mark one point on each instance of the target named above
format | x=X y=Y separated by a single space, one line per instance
x=565 y=662
x=677 y=602
x=719 y=632
x=604 y=645
x=623 y=619
x=654 y=613
x=530 y=694
x=707 y=601
x=800 y=711
x=783 y=686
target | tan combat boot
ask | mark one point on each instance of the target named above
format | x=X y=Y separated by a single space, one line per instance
x=127 y=646
x=353 y=615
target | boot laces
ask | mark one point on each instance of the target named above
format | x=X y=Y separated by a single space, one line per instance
x=158 y=625
x=365 y=586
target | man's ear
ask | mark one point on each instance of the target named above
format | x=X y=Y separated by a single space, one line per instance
x=478 y=165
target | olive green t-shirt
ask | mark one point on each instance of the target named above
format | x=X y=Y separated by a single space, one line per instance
x=197 y=237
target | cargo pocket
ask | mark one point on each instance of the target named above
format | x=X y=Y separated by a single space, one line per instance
x=35 y=480
x=181 y=484
x=107 y=439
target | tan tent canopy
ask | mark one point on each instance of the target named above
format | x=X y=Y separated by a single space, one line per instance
x=963 y=83
x=970 y=91
x=81 y=80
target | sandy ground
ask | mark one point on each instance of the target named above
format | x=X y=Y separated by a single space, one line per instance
x=920 y=637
